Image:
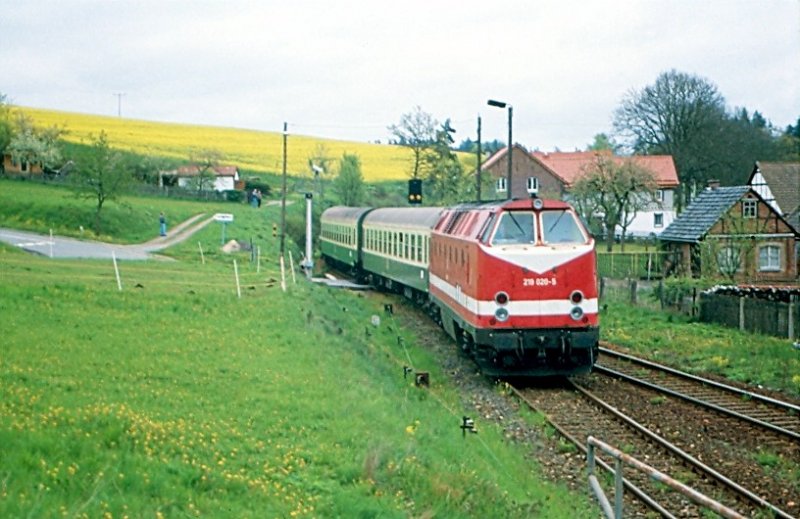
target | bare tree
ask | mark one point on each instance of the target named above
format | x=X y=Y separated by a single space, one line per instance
x=417 y=131
x=680 y=115
x=613 y=192
x=206 y=160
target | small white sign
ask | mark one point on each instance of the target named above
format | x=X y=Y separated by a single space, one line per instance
x=223 y=217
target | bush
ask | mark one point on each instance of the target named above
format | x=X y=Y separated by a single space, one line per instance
x=234 y=195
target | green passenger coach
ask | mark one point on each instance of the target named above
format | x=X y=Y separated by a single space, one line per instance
x=396 y=245
x=340 y=235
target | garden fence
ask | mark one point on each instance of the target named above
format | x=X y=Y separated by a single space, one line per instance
x=631 y=265
x=752 y=314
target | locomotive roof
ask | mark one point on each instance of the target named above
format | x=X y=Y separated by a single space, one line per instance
x=405 y=216
x=517 y=203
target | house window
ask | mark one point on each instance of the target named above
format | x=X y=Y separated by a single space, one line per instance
x=501 y=185
x=749 y=208
x=769 y=258
x=658 y=220
x=659 y=195
x=729 y=260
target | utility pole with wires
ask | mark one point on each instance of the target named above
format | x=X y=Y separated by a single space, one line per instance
x=119 y=102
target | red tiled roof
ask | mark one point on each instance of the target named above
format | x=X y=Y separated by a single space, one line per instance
x=569 y=165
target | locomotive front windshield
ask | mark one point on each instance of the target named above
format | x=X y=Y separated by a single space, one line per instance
x=518 y=228
x=515 y=228
x=561 y=227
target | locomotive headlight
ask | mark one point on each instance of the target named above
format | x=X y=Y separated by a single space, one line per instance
x=501 y=298
x=576 y=313
x=576 y=297
x=537 y=203
x=501 y=314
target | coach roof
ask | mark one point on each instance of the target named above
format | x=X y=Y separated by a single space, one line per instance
x=397 y=217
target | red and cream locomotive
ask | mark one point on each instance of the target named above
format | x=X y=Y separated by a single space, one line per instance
x=513 y=282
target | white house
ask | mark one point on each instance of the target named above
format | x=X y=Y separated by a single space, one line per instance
x=220 y=178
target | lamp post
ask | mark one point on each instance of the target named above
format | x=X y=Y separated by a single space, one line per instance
x=500 y=104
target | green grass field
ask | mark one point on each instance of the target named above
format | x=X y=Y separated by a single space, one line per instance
x=175 y=398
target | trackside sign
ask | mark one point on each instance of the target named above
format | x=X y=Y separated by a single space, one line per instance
x=223 y=217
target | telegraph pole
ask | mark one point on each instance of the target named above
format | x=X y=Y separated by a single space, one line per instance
x=119 y=102
x=283 y=189
x=478 y=171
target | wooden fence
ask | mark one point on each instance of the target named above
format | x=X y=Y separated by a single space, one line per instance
x=751 y=314
x=631 y=265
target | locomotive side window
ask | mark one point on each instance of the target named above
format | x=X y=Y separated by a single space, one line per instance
x=486 y=229
x=515 y=227
x=561 y=227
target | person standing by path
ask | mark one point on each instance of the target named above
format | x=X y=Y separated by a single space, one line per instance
x=162 y=220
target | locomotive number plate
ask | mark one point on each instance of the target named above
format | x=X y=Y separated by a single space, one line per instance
x=539 y=282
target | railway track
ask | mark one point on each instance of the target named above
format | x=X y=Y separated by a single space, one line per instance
x=578 y=412
x=774 y=415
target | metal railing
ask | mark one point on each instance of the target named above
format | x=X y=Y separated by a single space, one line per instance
x=622 y=458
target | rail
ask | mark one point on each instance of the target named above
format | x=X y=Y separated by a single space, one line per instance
x=622 y=458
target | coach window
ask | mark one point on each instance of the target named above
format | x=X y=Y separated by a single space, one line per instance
x=515 y=228
x=561 y=227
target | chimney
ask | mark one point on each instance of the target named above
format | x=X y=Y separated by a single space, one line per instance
x=713 y=183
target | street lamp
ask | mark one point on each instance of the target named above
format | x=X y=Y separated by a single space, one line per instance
x=500 y=104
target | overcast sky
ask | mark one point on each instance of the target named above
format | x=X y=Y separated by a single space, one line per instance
x=348 y=69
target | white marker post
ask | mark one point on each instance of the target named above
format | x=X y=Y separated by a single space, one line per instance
x=291 y=264
x=283 y=275
x=236 y=273
x=202 y=257
x=116 y=270
x=51 y=243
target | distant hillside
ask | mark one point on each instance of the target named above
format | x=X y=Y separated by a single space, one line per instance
x=249 y=149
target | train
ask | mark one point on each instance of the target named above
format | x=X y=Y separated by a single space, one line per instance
x=513 y=282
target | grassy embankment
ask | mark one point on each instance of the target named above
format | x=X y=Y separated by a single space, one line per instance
x=173 y=398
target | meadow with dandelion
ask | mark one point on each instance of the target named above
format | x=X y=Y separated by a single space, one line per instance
x=173 y=397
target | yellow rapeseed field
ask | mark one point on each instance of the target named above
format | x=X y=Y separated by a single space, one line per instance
x=248 y=149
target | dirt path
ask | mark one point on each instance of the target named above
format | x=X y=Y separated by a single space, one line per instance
x=63 y=247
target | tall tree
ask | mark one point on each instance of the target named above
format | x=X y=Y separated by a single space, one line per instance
x=417 y=131
x=613 y=193
x=350 y=182
x=447 y=182
x=100 y=177
x=679 y=115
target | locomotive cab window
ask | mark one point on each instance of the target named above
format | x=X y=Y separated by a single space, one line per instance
x=561 y=227
x=515 y=227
